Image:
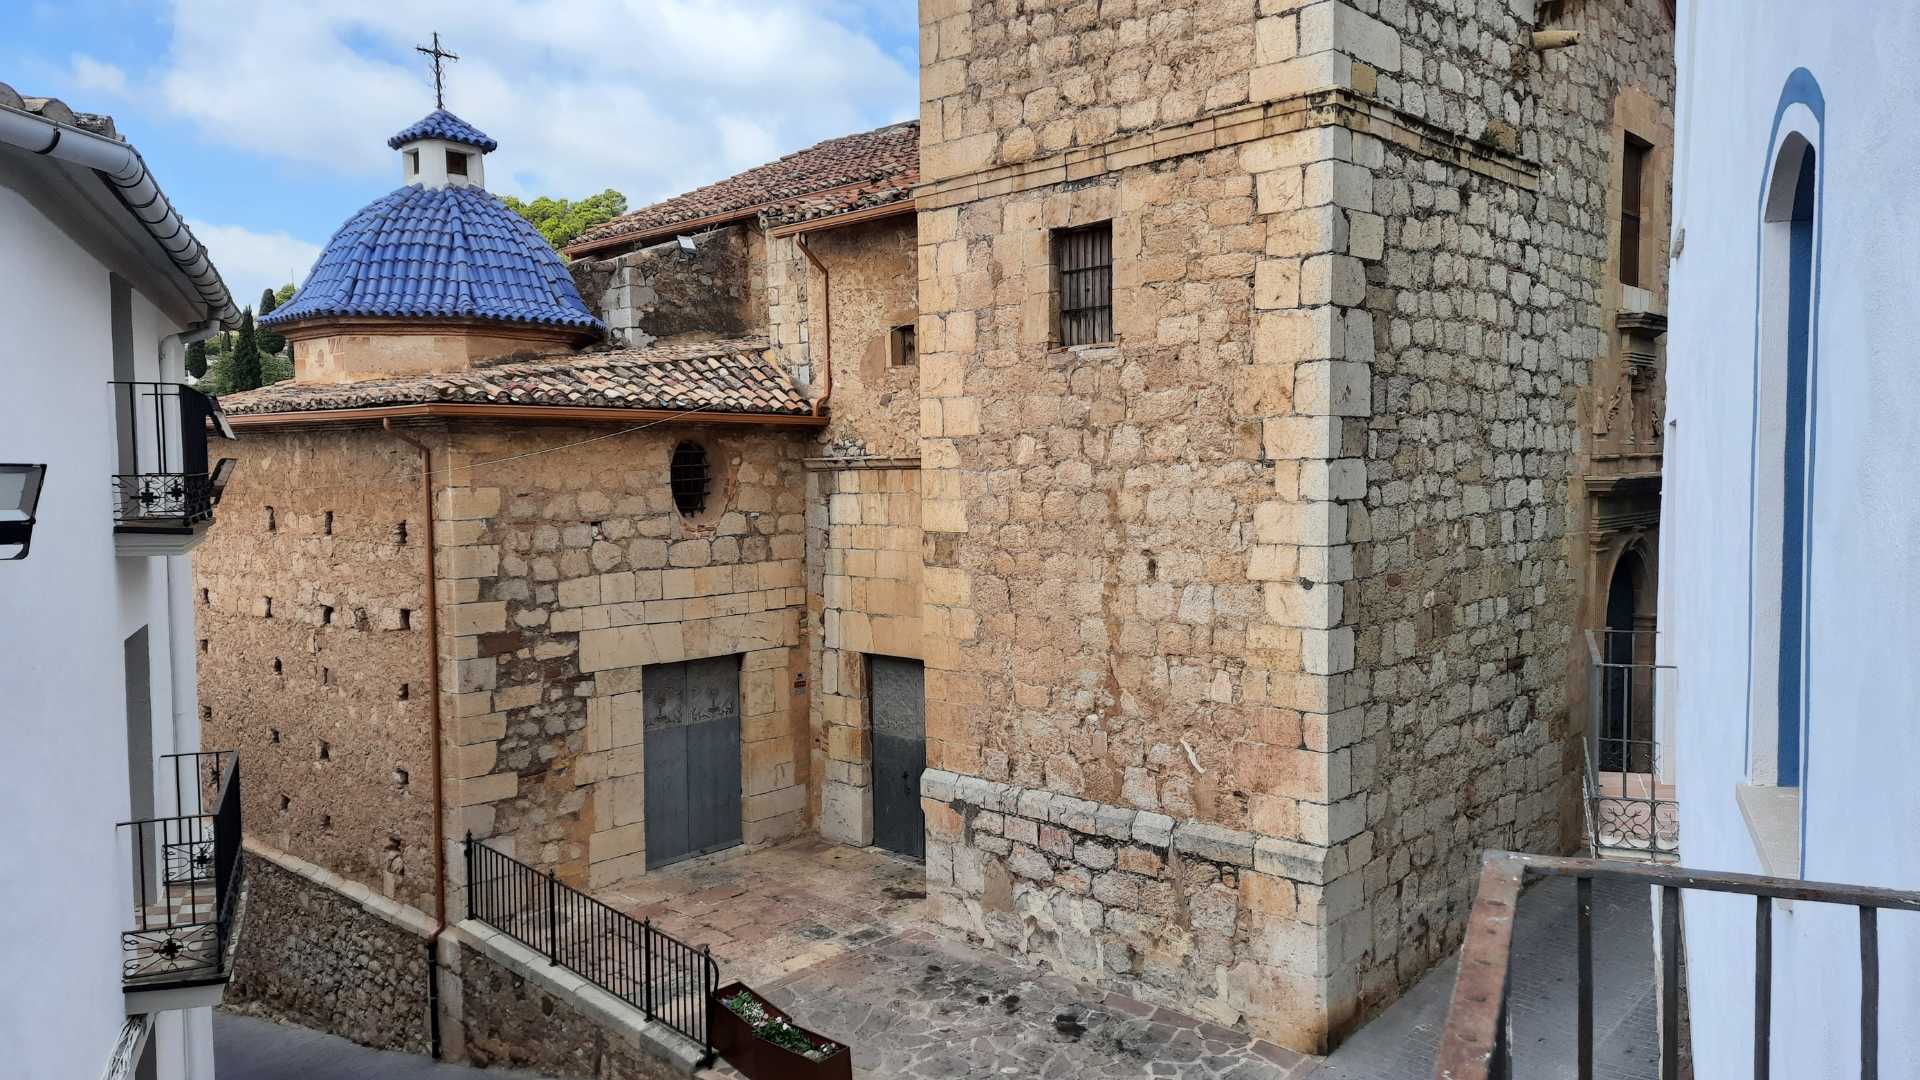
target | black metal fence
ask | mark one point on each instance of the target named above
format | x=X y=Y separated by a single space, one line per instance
x=164 y=479
x=184 y=872
x=665 y=978
x=1476 y=1043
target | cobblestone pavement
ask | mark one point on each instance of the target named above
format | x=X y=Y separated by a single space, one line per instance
x=919 y=1006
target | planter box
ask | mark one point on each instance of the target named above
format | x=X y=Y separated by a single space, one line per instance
x=735 y=1040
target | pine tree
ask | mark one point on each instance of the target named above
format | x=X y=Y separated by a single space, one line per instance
x=271 y=344
x=197 y=359
x=243 y=367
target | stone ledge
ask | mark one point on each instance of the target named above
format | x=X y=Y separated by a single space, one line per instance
x=612 y=1013
x=1300 y=862
x=408 y=918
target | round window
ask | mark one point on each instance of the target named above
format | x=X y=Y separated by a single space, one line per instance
x=689 y=478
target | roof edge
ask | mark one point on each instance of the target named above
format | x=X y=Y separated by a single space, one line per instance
x=575 y=414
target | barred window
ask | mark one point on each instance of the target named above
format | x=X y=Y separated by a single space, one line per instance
x=1084 y=257
x=688 y=477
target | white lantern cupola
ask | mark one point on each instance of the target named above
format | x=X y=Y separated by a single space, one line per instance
x=443 y=150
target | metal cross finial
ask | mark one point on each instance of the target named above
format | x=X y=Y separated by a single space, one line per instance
x=439 y=71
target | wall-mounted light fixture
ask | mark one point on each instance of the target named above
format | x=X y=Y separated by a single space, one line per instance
x=19 y=497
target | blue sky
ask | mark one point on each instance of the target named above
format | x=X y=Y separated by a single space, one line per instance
x=266 y=121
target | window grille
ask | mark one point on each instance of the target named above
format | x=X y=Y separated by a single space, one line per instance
x=688 y=477
x=1084 y=257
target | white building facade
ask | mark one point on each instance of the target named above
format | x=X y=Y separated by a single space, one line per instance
x=102 y=290
x=1790 y=553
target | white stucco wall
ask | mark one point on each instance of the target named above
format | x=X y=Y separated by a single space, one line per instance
x=1862 y=726
x=65 y=892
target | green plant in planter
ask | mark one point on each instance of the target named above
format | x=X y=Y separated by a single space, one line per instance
x=777 y=1031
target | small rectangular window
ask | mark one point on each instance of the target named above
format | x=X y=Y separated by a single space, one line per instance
x=1084 y=258
x=1633 y=177
x=902 y=348
x=413 y=163
x=456 y=163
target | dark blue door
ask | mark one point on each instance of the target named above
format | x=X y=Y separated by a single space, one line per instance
x=897 y=701
x=692 y=716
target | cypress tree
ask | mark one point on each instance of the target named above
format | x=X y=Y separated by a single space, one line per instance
x=243 y=367
x=197 y=359
x=271 y=343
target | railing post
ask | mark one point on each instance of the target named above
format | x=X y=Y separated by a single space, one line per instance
x=1669 y=982
x=1869 y=994
x=646 y=967
x=706 y=1002
x=1763 y=988
x=467 y=850
x=1583 y=894
x=553 y=919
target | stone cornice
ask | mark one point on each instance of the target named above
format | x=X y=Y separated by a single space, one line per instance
x=1332 y=107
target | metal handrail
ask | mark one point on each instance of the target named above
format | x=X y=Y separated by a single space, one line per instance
x=1476 y=1042
x=665 y=978
x=186 y=871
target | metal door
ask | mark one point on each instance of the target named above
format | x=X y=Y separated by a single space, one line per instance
x=897 y=702
x=692 y=717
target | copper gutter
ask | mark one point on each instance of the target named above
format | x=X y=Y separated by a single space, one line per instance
x=825 y=337
x=433 y=695
x=557 y=413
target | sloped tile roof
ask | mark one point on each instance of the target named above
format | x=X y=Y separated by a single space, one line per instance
x=732 y=376
x=452 y=252
x=441 y=124
x=886 y=159
x=840 y=201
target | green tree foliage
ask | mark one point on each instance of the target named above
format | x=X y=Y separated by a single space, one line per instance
x=283 y=294
x=197 y=359
x=271 y=344
x=560 y=220
x=243 y=367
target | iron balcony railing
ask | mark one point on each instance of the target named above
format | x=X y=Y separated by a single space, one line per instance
x=1631 y=807
x=186 y=869
x=164 y=481
x=665 y=978
x=1477 y=1041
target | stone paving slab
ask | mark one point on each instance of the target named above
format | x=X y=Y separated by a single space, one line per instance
x=249 y=1048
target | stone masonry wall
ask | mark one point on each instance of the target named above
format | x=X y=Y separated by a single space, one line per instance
x=875 y=406
x=318 y=957
x=1289 y=557
x=564 y=574
x=663 y=292
x=864 y=588
x=313 y=658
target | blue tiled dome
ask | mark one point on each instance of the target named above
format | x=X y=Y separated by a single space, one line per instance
x=452 y=252
x=441 y=124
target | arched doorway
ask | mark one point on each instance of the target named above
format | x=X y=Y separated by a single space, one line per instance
x=1625 y=735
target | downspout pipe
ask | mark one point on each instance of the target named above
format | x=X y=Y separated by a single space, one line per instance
x=433 y=696
x=179 y=577
x=121 y=166
x=825 y=336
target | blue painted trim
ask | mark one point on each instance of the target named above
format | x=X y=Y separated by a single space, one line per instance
x=1801 y=88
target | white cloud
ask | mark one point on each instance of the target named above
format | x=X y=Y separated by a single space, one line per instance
x=648 y=96
x=98 y=75
x=252 y=261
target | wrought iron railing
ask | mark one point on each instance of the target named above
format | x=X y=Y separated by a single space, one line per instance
x=1631 y=805
x=186 y=869
x=665 y=978
x=1476 y=1043
x=164 y=480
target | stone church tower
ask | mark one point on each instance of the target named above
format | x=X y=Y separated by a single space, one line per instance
x=1256 y=344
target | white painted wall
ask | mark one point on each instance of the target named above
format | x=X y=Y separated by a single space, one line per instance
x=65 y=892
x=1862 y=745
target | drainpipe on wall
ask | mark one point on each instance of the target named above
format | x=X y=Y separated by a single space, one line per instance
x=825 y=337
x=433 y=695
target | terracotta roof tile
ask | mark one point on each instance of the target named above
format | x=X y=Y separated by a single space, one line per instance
x=733 y=376
x=881 y=165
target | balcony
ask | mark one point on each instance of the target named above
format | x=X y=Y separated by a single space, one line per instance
x=1481 y=1037
x=1631 y=809
x=177 y=951
x=164 y=493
